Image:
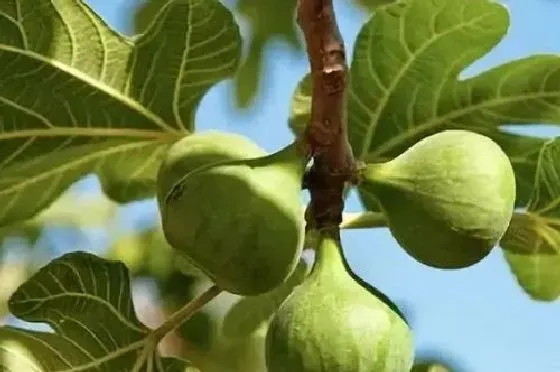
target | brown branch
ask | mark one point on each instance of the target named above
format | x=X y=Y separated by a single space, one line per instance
x=326 y=135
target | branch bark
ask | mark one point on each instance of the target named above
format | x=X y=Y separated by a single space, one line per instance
x=326 y=135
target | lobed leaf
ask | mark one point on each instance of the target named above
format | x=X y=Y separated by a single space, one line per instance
x=189 y=46
x=413 y=89
x=77 y=97
x=405 y=85
x=88 y=303
x=531 y=245
x=29 y=187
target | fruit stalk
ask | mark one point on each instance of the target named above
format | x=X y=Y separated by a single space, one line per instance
x=326 y=135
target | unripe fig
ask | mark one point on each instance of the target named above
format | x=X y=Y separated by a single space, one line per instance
x=448 y=199
x=239 y=221
x=197 y=150
x=331 y=322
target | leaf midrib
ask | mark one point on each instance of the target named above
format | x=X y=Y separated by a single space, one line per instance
x=39 y=301
x=96 y=84
x=90 y=132
x=94 y=363
x=434 y=122
x=66 y=166
x=401 y=73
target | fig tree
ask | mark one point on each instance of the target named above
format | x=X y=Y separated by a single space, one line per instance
x=240 y=221
x=332 y=322
x=448 y=199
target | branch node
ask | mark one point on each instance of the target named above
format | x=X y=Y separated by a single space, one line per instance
x=326 y=135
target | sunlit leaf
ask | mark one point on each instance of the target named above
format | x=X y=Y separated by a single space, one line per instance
x=523 y=152
x=405 y=85
x=78 y=98
x=531 y=245
x=87 y=301
x=405 y=73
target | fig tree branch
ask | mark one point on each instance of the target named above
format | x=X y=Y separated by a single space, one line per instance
x=149 y=343
x=326 y=136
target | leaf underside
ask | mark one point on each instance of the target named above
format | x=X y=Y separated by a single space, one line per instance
x=531 y=245
x=87 y=301
x=79 y=98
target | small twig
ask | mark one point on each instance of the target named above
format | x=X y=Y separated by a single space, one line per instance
x=363 y=220
x=173 y=322
x=326 y=135
x=185 y=313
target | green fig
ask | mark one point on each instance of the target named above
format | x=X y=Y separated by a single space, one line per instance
x=333 y=322
x=196 y=150
x=448 y=199
x=239 y=221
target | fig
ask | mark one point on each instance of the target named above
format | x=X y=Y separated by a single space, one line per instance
x=240 y=221
x=196 y=150
x=333 y=322
x=448 y=199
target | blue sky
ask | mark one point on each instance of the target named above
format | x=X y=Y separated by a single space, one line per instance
x=478 y=316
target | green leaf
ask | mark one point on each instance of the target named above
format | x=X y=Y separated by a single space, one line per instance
x=78 y=98
x=300 y=110
x=523 y=152
x=531 y=245
x=147 y=254
x=408 y=89
x=249 y=76
x=144 y=14
x=87 y=301
x=63 y=213
x=68 y=32
x=269 y=21
x=131 y=175
x=404 y=83
x=249 y=313
x=189 y=46
x=430 y=367
x=28 y=187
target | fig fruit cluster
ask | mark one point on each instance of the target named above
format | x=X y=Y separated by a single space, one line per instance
x=332 y=322
x=448 y=199
x=236 y=213
x=233 y=210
